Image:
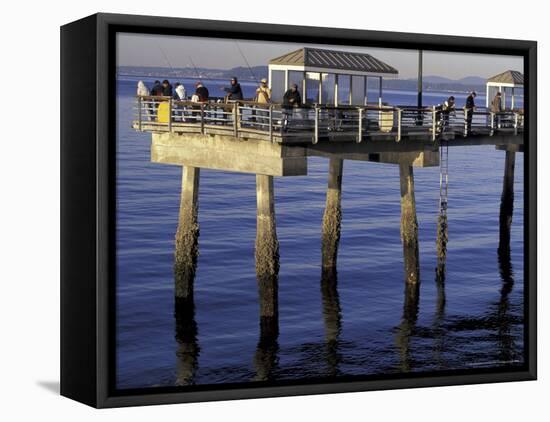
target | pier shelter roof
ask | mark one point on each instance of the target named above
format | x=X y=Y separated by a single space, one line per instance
x=313 y=59
x=510 y=79
x=330 y=77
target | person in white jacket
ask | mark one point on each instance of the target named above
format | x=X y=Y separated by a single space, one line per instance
x=143 y=91
x=180 y=95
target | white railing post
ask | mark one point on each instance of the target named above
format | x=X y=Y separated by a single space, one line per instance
x=399 y=114
x=270 y=122
x=202 y=119
x=360 y=130
x=316 y=137
x=170 y=115
x=139 y=112
x=434 y=124
x=235 y=117
x=466 y=121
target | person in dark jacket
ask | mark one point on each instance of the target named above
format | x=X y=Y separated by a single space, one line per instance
x=201 y=93
x=234 y=91
x=291 y=100
x=469 y=110
x=156 y=90
x=167 y=90
x=200 y=96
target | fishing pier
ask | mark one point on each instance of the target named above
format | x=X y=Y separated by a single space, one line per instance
x=269 y=140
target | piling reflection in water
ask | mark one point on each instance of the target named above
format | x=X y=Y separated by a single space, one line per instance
x=332 y=315
x=265 y=359
x=506 y=340
x=406 y=329
x=507 y=203
x=186 y=337
x=445 y=331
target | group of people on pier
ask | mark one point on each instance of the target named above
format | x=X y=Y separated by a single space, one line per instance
x=233 y=92
x=290 y=101
x=449 y=106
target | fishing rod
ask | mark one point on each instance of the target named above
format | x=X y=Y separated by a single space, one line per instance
x=246 y=61
x=195 y=67
x=165 y=57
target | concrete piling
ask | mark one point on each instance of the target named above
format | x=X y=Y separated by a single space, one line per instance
x=332 y=216
x=187 y=234
x=409 y=224
x=267 y=256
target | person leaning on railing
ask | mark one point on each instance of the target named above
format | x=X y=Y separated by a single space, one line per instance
x=447 y=108
x=291 y=100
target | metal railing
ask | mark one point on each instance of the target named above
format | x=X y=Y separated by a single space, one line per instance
x=313 y=123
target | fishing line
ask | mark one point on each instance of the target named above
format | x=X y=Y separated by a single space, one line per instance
x=246 y=61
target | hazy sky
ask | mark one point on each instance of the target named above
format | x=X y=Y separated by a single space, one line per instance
x=216 y=53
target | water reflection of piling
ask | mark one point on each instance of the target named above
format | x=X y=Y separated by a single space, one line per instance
x=332 y=318
x=439 y=319
x=409 y=224
x=332 y=216
x=504 y=335
x=266 y=357
x=507 y=202
x=187 y=234
x=186 y=336
x=407 y=327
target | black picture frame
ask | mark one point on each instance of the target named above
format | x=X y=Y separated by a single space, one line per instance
x=87 y=203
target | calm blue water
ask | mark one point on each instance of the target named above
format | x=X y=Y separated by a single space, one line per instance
x=478 y=325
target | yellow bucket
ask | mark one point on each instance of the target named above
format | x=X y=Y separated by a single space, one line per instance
x=386 y=121
x=163 y=112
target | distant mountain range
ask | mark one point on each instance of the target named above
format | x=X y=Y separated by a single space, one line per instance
x=255 y=73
